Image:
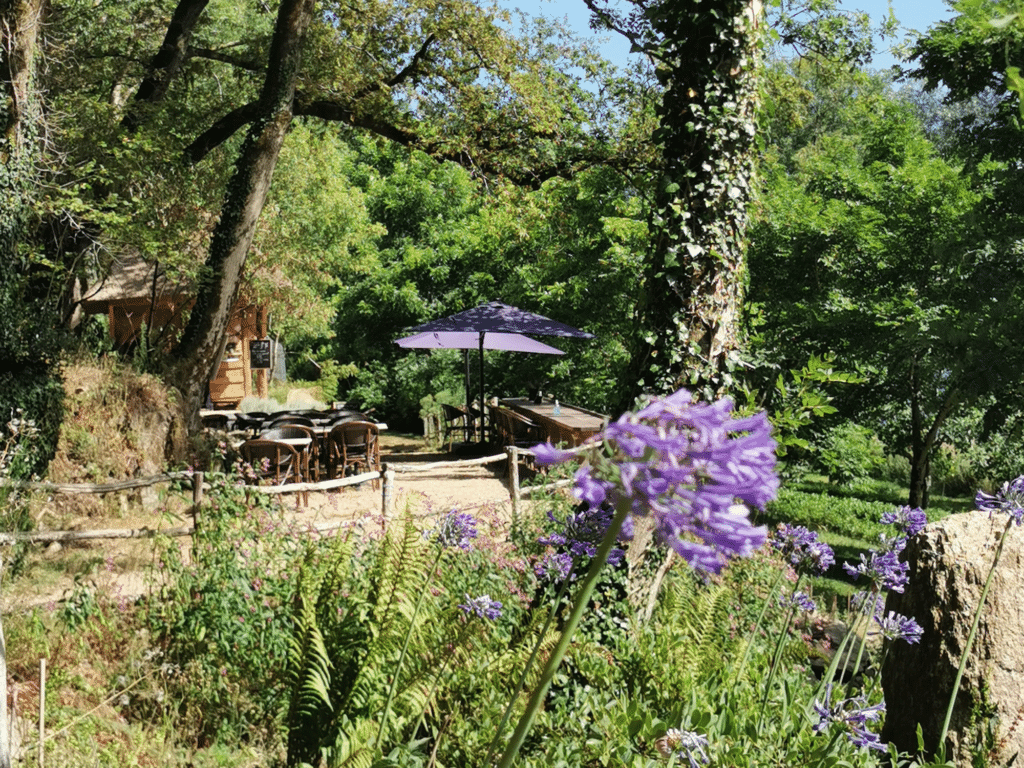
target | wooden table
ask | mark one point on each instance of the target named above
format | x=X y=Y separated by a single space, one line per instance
x=572 y=426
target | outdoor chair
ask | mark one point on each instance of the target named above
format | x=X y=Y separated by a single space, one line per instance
x=353 y=444
x=515 y=429
x=273 y=460
x=310 y=454
x=291 y=418
x=458 y=419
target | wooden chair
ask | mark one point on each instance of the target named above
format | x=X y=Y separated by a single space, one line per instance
x=291 y=418
x=458 y=419
x=272 y=459
x=515 y=429
x=353 y=444
x=310 y=456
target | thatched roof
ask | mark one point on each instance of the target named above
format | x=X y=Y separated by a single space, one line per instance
x=131 y=280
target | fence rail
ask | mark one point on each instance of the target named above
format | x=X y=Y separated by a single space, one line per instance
x=386 y=475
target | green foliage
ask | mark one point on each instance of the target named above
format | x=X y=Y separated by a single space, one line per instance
x=850 y=452
x=221 y=617
x=841 y=515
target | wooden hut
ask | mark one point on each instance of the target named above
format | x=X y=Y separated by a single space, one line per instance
x=138 y=294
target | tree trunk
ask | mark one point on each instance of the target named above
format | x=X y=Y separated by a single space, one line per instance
x=203 y=338
x=686 y=319
x=922 y=443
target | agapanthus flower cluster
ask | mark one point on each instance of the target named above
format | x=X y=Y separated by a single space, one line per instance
x=896 y=626
x=802 y=547
x=554 y=567
x=456 y=529
x=1008 y=499
x=799 y=600
x=693 y=467
x=685 y=745
x=908 y=521
x=885 y=569
x=852 y=716
x=581 y=532
x=483 y=606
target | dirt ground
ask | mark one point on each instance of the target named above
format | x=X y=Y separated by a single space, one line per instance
x=118 y=567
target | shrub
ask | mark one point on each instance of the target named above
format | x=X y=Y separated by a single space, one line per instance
x=850 y=452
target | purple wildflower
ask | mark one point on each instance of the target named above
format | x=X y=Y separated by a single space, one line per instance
x=803 y=548
x=909 y=521
x=867 y=603
x=582 y=531
x=799 y=600
x=883 y=568
x=853 y=716
x=456 y=529
x=895 y=626
x=554 y=567
x=685 y=745
x=482 y=606
x=1008 y=499
x=692 y=467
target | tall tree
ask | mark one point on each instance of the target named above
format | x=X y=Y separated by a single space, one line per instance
x=706 y=58
x=871 y=247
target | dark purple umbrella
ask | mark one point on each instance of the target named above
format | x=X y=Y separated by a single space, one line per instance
x=496 y=317
x=508 y=342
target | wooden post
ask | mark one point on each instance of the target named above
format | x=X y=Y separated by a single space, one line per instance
x=388 y=499
x=42 y=710
x=197 y=498
x=513 y=479
x=5 y=729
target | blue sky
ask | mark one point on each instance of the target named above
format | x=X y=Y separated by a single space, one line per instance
x=911 y=14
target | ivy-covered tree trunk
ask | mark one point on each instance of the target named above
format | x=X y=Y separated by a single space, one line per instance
x=31 y=392
x=203 y=338
x=691 y=290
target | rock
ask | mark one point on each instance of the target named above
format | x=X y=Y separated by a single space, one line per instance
x=949 y=562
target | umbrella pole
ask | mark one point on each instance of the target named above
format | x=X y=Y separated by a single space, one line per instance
x=483 y=410
x=469 y=399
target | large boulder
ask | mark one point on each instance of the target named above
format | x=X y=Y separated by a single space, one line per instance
x=949 y=562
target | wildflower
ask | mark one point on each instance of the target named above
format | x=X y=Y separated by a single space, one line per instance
x=805 y=551
x=482 y=606
x=799 y=600
x=853 y=716
x=895 y=626
x=1008 y=499
x=685 y=745
x=908 y=520
x=867 y=603
x=582 y=531
x=554 y=567
x=456 y=529
x=693 y=468
x=883 y=568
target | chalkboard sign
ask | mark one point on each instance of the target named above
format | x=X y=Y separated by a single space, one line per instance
x=259 y=353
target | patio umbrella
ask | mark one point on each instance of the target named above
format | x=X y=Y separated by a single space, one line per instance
x=467 y=340
x=497 y=318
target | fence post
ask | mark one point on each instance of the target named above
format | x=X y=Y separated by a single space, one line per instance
x=197 y=498
x=513 y=479
x=5 y=728
x=42 y=711
x=388 y=500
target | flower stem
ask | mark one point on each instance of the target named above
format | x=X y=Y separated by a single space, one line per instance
x=940 y=747
x=555 y=660
x=529 y=664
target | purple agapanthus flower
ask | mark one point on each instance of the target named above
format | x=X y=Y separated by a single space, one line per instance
x=909 y=521
x=799 y=600
x=581 y=532
x=456 y=529
x=895 y=626
x=867 y=603
x=883 y=568
x=851 y=715
x=805 y=551
x=482 y=606
x=692 y=467
x=554 y=567
x=1008 y=499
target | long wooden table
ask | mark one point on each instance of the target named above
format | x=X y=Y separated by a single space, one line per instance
x=571 y=426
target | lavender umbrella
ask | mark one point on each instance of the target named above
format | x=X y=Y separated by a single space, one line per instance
x=497 y=318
